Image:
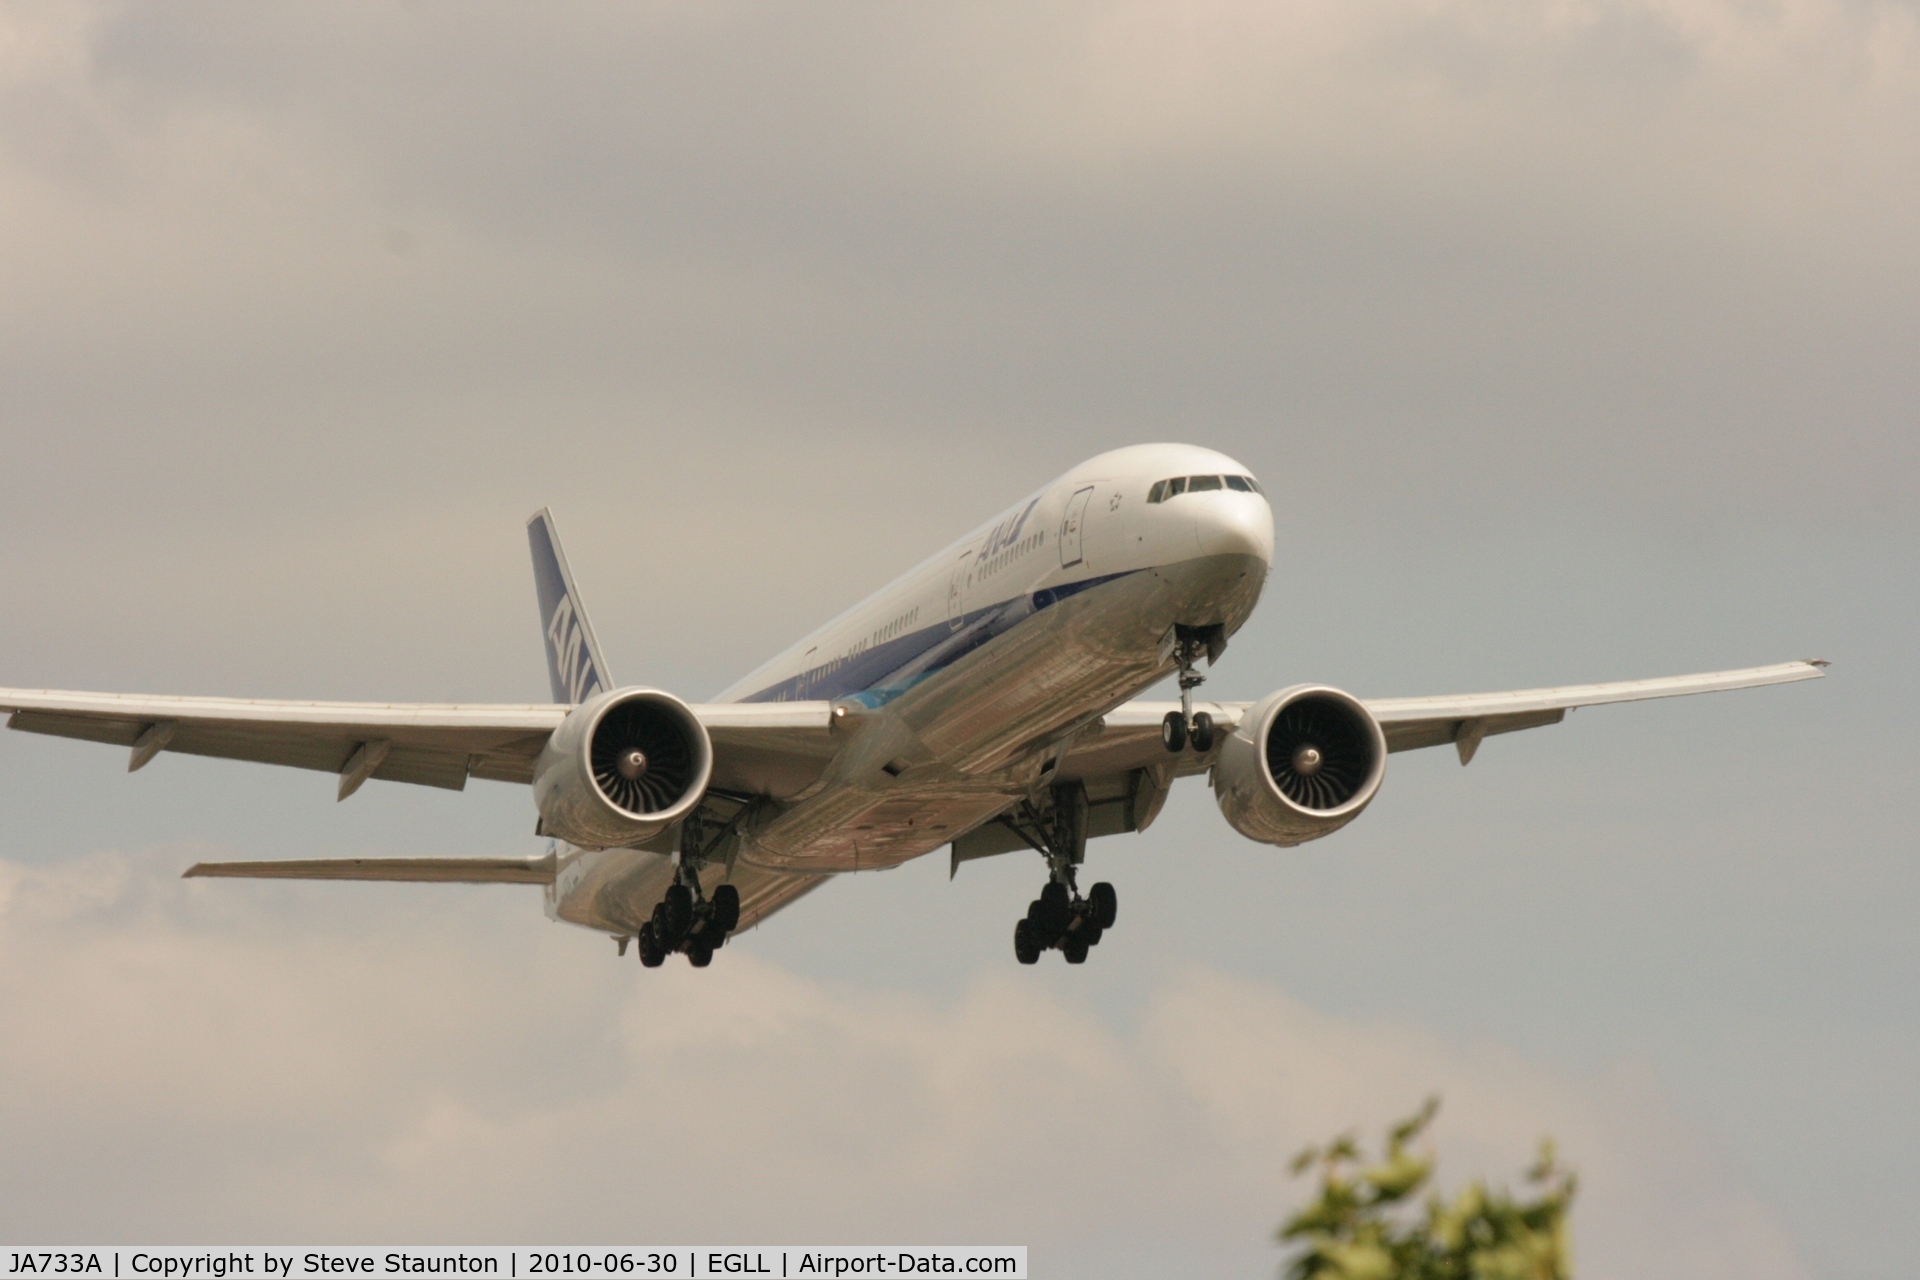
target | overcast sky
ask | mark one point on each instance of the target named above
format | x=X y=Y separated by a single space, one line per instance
x=1574 y=340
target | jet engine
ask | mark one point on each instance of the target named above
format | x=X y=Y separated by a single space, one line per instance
x=621 y=768
x=1301 y=764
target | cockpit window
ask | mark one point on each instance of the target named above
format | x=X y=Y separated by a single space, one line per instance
x=1164 y=489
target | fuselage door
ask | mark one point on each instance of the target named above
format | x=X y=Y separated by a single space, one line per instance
x=1073 y=526
x=957 y=590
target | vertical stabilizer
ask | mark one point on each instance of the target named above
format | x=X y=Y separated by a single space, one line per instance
x=573 y=655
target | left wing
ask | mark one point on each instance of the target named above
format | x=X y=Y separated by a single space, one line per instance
x=1464 y=719
x=1128 y=772
x=756 y=746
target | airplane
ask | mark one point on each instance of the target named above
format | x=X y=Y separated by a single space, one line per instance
x=983 y=703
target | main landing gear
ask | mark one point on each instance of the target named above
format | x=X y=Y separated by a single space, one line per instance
x=1180 y=727
x=686 y=920
x=1060 y=917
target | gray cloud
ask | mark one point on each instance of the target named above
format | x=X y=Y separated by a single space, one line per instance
x=1658 y=248
x=434 y=1068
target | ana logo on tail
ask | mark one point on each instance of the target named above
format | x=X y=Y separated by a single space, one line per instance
x=571 y=658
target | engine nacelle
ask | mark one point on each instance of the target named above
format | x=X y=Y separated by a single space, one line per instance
x=621 y=768
x=1301 y=764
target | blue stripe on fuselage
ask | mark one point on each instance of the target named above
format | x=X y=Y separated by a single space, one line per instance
x=878 y=675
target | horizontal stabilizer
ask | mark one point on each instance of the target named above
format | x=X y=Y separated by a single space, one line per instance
x=423 y=870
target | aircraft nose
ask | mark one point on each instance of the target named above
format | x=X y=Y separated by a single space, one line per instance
x=1230 y=523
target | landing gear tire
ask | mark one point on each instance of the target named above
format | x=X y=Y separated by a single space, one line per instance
x=1105 y=904
x=1036 y=923
x=726 y=909
x=679 y=909
x=1056 y=908
x=699 y=953
x=652 y=954
x=1025 y=949
x=1202 y=736
x=1173 y=732
x=1090 y=934
x=1074 y=949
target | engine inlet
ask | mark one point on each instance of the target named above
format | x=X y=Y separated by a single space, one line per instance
x=642 y=760
x=1319 y=752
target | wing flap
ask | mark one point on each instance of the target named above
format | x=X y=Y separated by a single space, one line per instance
x=1410 y=735
x=416 y=870
x=116 y=732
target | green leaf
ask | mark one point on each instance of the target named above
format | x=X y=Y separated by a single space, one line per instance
x=1398 y=1178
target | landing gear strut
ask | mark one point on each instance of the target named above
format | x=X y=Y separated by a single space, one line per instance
x=685 y=919
x=1190 y=644
x=1060 y=917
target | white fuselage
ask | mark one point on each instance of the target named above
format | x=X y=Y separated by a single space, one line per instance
x=967 y=678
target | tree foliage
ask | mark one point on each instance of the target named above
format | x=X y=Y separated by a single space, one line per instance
x=1368 y=1224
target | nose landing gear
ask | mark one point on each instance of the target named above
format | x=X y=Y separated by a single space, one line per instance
x=1180 y=727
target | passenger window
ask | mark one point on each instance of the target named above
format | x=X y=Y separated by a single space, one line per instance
x=1158 y=491
x=1198 y=483
x=1176 y=486
x=1240 y=483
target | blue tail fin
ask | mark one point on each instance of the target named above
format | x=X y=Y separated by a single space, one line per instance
x=573 y=655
